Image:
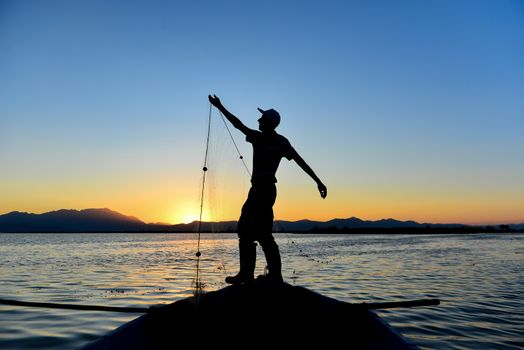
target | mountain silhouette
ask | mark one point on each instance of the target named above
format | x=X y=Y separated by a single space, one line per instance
x=70 y=220
x=353 y=222
x=106 y=220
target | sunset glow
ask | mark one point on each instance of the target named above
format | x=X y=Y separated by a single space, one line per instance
x=188 y=218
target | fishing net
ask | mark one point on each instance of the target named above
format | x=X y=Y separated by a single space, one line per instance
x=225 y=183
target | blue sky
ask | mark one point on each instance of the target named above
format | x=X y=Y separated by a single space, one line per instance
x=407 y=109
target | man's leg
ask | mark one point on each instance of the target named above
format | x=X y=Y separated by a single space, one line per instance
x=246 y=245
x=248 y=257
x=273 y=260
x=264 y=233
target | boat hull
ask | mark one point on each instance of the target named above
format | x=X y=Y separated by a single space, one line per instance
x=261 y=315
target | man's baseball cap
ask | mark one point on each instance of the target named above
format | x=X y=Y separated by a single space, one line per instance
x=272 y=115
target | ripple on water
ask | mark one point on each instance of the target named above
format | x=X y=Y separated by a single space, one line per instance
x=477 y=277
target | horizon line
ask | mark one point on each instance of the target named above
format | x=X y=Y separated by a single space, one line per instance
x=485 y=223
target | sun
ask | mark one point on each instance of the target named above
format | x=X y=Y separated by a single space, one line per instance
x=186 y=214
x=188 y=218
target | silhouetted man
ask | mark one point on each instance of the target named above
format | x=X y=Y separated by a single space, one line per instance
x=256 y=218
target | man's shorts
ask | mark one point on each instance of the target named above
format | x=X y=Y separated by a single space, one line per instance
x=256 y=219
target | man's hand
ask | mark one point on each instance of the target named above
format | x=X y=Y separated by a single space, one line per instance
x=322 y=189
x=215 y=101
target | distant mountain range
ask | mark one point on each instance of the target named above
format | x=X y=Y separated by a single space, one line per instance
x=106 y=220
x=69 y=220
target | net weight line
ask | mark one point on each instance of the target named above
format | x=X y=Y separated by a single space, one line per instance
x=198 y=284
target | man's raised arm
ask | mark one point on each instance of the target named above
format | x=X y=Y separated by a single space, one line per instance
x=215 y=101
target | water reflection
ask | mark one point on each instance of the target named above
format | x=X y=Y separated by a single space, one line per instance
x=478 y=278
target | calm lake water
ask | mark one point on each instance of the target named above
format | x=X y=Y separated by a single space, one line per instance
x=479 y=279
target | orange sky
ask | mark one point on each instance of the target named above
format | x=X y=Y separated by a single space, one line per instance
x=160 y=200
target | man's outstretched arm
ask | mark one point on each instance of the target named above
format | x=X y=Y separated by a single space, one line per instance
x=215 y=101
x=302 y=163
